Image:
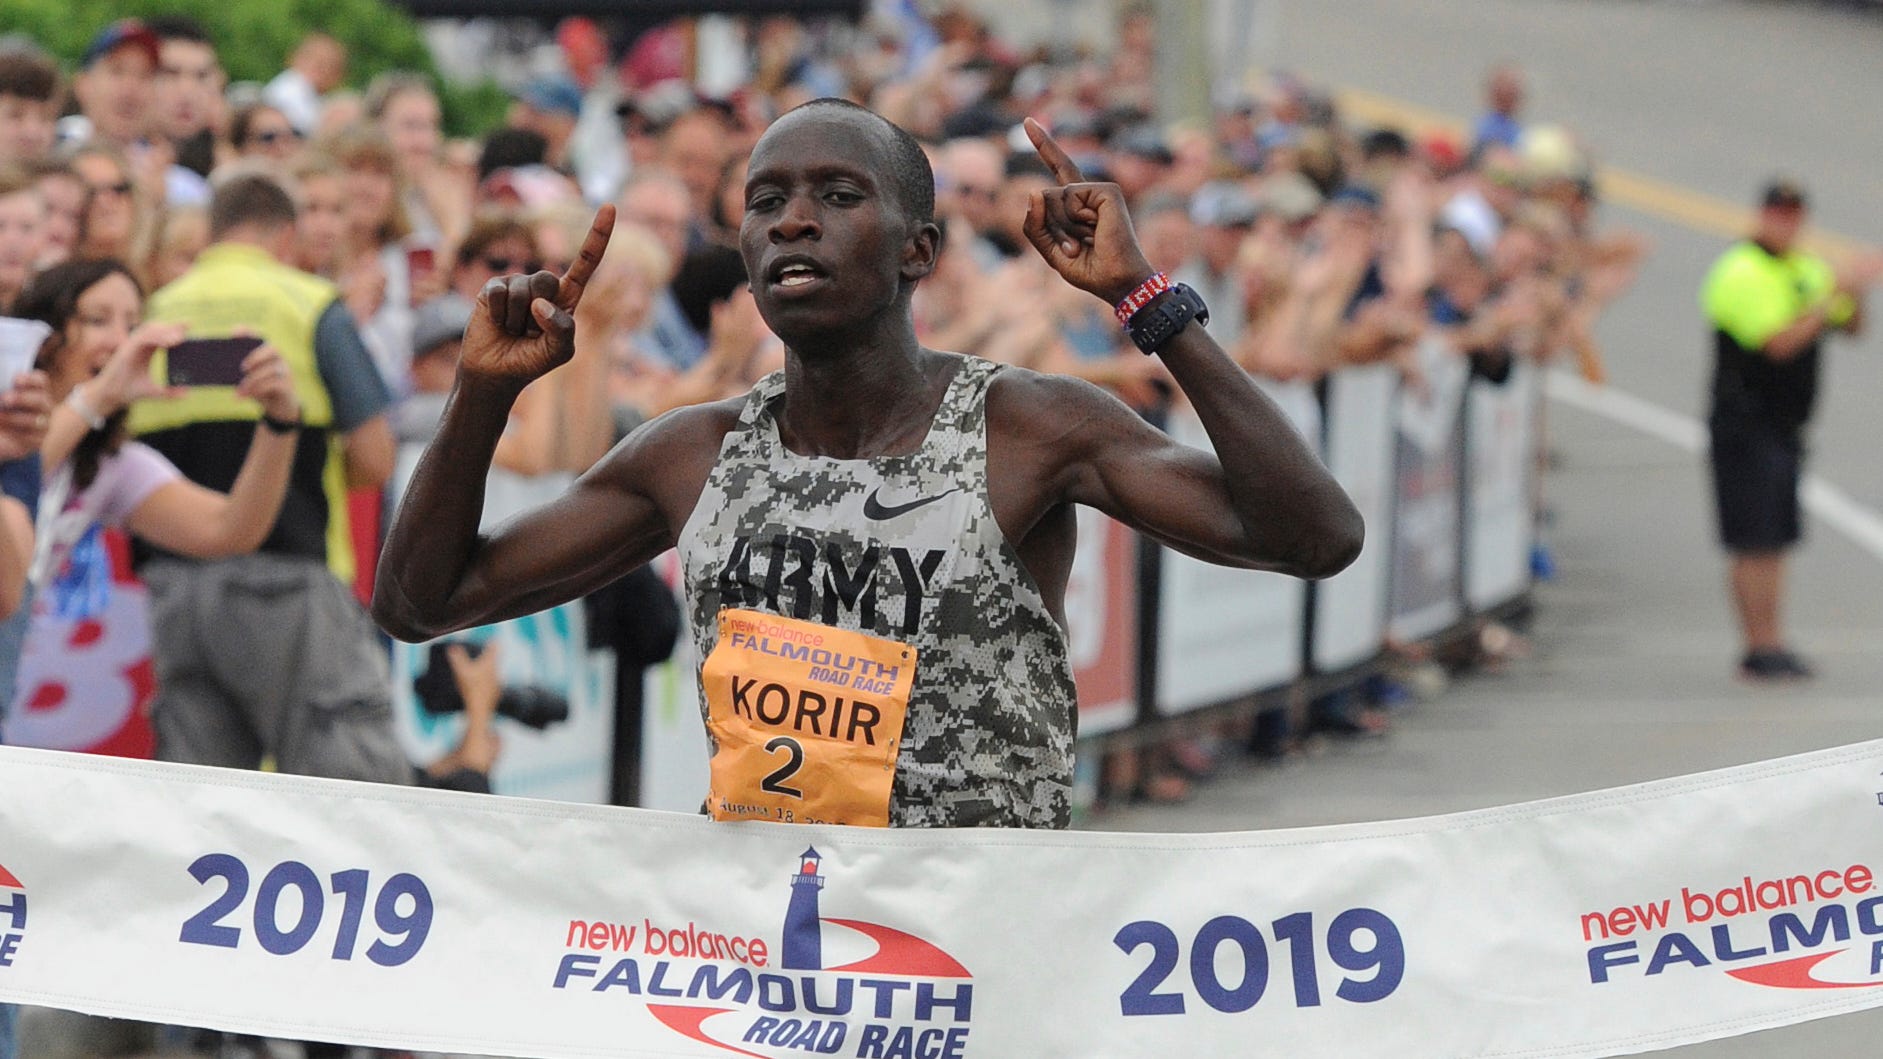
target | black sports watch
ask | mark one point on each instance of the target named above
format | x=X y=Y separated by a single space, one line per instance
x=1160 y=321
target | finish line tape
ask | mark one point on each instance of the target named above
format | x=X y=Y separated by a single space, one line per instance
x=1599 y=924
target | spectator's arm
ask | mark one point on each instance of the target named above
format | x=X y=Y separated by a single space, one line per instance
x=186 y=518
x=16 y=554
x=1798 y=335
x=360 y=399
x=528 y=444
x=370 y=451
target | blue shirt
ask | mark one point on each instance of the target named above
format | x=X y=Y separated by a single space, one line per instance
x=1496 y=130
x=19 y=479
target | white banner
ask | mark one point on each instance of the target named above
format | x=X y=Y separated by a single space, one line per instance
x=1595 y=925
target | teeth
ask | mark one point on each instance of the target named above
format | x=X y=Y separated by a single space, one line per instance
x=796 y=279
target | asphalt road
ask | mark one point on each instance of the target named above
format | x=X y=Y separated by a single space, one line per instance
x=1631 y=676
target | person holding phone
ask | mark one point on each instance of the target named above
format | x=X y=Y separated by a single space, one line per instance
x=98 y=362
x=268 y=655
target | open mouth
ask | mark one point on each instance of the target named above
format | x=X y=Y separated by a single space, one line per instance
x=794 y=274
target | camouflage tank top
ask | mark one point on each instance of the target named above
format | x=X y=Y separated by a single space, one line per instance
x=905 y=548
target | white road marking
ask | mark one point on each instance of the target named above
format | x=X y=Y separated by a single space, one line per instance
x=1826 y=502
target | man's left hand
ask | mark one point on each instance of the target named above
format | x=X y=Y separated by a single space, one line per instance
x=1081 y=228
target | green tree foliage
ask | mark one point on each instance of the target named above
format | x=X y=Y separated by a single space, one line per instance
x=254 y=38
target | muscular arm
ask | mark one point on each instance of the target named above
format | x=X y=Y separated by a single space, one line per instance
x=438 y=574
x=1262 y=500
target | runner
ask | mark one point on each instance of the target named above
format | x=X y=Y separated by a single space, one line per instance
x=876 y=540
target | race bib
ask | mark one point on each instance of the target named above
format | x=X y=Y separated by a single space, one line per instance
x=807 y=719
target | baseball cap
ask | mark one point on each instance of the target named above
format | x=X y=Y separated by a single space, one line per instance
x=1355 y=195
x=1223 y=204
x=1290 y=196
x=125 y=31
x=1783 y=193
x=552 y=95
x=440 y=320
x=1143 y=141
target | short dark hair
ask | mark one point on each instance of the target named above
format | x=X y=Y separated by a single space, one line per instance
x=179 y=27
x=249 y=198
x=1385 y=143
x=28 y=75
x=489 y=229
x=506 y=148
x=914 y=178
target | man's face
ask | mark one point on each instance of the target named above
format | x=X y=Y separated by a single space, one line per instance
x=114 y=93
x=26 y=130
x=663 y=210
x=975 y=173
x=326 y=64
x=321 y=222
x=1779 y=226
x=826 y=239
x=20 y=238
x=63 y=196
x=694 y=148
x=188 y=88
x=111 y=205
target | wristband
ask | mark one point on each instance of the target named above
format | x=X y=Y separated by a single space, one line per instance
x=1157 y=323
x=1138 y=299
x=280 y=426
x=82 y=408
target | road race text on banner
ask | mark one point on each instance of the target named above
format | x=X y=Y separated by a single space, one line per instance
x=1599 y=924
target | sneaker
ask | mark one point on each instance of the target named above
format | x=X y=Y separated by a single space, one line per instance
x=1775 y=665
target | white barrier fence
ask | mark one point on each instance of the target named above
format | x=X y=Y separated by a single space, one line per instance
x=1594 y=925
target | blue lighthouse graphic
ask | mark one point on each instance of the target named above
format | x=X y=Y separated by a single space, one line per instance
x=804 y=939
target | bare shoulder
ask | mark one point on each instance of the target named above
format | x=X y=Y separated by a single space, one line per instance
x=1032 y=408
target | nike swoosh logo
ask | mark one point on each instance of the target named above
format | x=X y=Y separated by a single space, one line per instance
x=876 y=512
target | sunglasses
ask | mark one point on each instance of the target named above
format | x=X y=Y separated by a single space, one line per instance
x=503 y=266
x=270 y=137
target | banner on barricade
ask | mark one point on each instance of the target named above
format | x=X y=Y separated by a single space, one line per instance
x=320 y=909
x=1350 y=608
x=1500 y=508
x=1426 y=597
x=559 y=740
x=1223 y=633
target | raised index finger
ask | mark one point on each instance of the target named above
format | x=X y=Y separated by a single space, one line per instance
x=1064 y=169
x=594 y=245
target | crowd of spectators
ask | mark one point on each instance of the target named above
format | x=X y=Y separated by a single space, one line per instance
x=130 y=181
x=1316 y=243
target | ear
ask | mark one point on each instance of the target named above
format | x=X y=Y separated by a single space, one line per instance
x=920 y=252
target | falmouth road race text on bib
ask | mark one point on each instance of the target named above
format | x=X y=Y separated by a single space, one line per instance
x=807 y=719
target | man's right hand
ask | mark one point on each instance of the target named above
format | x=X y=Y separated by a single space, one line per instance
x=524 y=326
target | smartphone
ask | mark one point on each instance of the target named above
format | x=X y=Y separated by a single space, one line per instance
x=209 y=361
x=19 y=347
x=420 y=262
